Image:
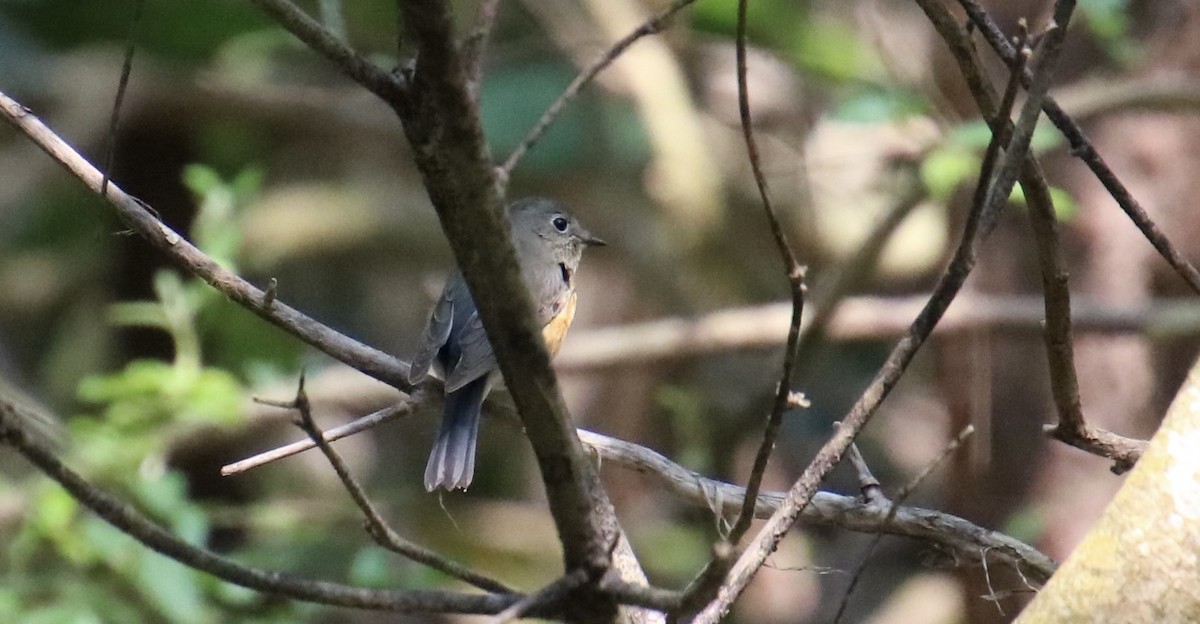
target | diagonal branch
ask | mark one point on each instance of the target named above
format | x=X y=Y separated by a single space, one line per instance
x=137 y=526
x=328 y=45
x=651 y=26
x=138 y=218
x=377 y=527
x=978 y=226
x=1071 y=428
x=1085 y=151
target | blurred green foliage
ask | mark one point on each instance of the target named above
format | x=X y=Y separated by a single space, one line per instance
x=123 y=445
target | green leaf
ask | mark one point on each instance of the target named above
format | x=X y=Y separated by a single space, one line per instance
x=947 y=168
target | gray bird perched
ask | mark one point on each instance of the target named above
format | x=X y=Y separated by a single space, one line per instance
x=549 y=244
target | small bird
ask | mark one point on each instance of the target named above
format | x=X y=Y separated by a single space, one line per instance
x=549 y=244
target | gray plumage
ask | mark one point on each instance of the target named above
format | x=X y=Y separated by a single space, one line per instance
x=549 y=244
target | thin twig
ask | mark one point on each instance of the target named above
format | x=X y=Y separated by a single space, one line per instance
x=131 y=522
x=1082 y=148
x=950 y=533
x=795 y=276
x=377 y=527
x=413 y=404
x=110 y=151
x=654 y=25
x=704 y=587
x=1060 y=352
x=868 y=485
x=320 y=40
x=1072 y=429
x=978 y=226
x=893 y=508
x=135 y=215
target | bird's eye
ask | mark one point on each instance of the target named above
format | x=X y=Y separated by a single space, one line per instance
x=560 y=224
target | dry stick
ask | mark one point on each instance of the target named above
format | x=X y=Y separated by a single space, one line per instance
x=654 y=25
x=977 y=227
x=795 y=277
x=377 y=527
x=1085 y=151
x=903 y=495
x=413 y=404
x=702 y=588
x=134 y=214
x=110 y=150
x=1064 y=384
x=1072 y=428
x=950 y=533
x=868 y=485
x=953 y=534
x=132 y=523
x=325 y=43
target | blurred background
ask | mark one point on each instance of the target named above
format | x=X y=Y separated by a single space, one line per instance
x=281 y=168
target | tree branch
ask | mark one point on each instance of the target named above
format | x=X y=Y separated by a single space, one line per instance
x=651 y=26
x=317 y=38
x=443 y=128
x=137 y=526
x=134 y=214
x=1072 y=428
x=377 y=527
x=1082 y=148
x=978 y=226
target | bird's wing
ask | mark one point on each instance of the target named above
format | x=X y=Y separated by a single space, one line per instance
x=476 y=358
x=437 y=332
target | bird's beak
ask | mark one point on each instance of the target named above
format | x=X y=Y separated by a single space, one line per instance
x=590 y=241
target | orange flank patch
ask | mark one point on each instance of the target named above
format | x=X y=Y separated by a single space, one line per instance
x=554 y=331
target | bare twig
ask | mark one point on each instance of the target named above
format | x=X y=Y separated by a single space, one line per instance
x=110 y=151
x=404 y=408
x=893 y=508
x=327 y=44
x=377 y=527
x=134 y=214
x=132 y=523
x=651 y=26
x=1122 y=450
x=1064 y=384
x=1085 y=151
x=795 y=276
x=978 y=226
x=951 y=534
x=1072 y=429
x=868 y=485
x=705 y=586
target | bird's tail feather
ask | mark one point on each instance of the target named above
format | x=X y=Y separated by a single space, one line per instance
x=452 y=461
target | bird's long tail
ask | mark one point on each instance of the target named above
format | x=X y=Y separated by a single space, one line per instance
x=452 y=461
